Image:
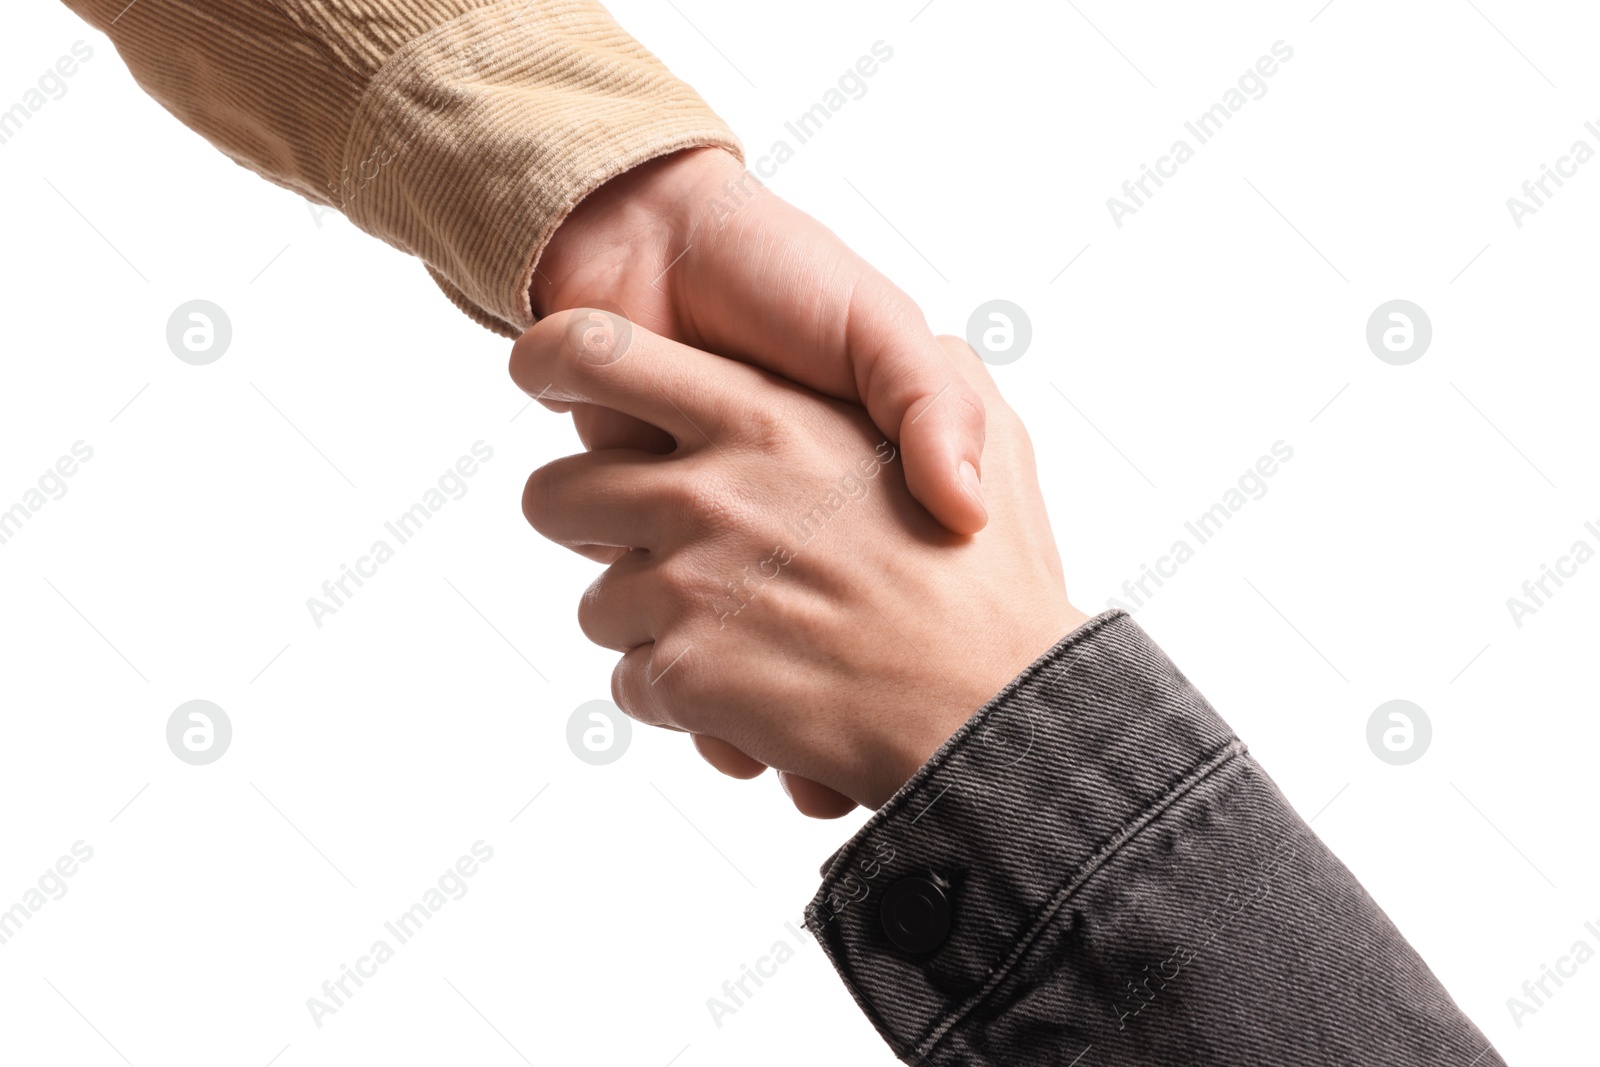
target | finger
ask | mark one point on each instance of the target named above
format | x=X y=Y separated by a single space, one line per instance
x=853 y=335
x=726 y=758
x=941 y=448
x=602 y=554
x=623 y=608
x=647 y=678
x=599 y=499
x=594 y=357
x=601 y=428
x=810 y=798
x=965 y=358
x=813 y=799
x=916 y=393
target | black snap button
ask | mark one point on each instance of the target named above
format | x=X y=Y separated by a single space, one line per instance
x=916 y=914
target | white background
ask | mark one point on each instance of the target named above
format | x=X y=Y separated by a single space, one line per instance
x=1227 y=314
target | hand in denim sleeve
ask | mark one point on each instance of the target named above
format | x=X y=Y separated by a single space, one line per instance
x=1094 y=871
x=1086 y=869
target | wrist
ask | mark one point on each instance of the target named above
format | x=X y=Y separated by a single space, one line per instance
x=911 y=746
x=630 y=230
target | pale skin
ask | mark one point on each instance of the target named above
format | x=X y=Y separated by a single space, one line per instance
x=693 y=247
x=858 y=632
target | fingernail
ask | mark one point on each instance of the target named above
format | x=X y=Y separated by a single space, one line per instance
x=969 y=478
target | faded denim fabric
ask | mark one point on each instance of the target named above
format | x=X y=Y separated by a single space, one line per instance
x=1100 y=875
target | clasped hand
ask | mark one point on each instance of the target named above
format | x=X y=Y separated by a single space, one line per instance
x=772 y=585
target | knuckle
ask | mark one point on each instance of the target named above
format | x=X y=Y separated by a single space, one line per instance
x=970 y=408
x=622 y=688
x=672 y=669
x=678 y=579
x=770 y=427
x=703 y=502
x=531 y=354
x=652 y=682
x=540 y=495
x=563 y=345
x=576 y=328
x=592 y=610
x=597 y=337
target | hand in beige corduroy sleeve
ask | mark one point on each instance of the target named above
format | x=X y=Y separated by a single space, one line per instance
x=461 y=131
x=539 y=159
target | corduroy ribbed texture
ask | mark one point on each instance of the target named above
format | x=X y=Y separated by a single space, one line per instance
x=462 y=131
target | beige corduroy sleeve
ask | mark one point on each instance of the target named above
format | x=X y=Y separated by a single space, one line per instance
x=462 y=131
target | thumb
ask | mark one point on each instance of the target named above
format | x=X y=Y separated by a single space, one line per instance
x=779 y=291
x=917 y=392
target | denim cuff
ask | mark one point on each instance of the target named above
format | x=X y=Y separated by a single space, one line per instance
x=930 y=906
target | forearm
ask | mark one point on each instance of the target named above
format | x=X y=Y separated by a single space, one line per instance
x=1121 y=876
x=462 y=131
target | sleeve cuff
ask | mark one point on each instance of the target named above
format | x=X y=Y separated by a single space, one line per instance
x=476 y=140
x=925 y=911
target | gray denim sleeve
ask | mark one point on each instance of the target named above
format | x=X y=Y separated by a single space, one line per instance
x=1093 y=872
